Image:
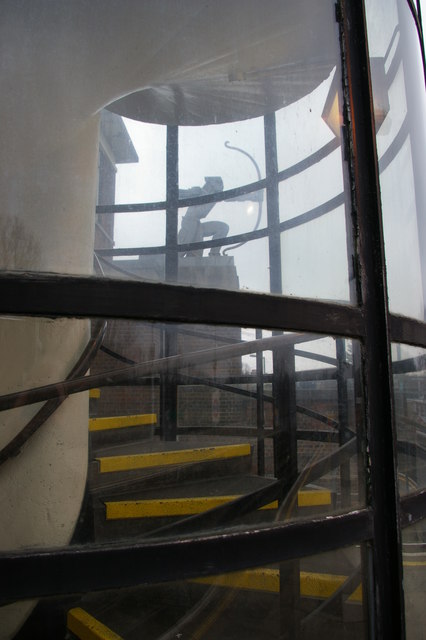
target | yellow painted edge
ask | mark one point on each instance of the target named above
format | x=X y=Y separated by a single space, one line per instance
x=413 y=563
x=314 y=585
x=158 y=508
x=323 y=585
x=255 y=579
x=120 y=422
x=86 y=627
x=319 y=585
x=94 y=393
x=168 y=507
x=164 y=458
x=357 y=595
x=314 y=498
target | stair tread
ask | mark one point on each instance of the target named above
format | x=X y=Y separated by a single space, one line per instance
x=158 y=446
x=144 y=459
x=166 y=475
x=106 y=423
x=155 y=609
x=228 y=485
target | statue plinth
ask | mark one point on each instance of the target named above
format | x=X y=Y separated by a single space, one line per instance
x=218 y=272
x=209 y=271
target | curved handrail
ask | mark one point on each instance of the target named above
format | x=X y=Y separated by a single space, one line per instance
x=303 y=218
x=161 y=365
x=256 y=499
x=186 y=379
x=82 y=365
x=238 y=239
x=220 y=196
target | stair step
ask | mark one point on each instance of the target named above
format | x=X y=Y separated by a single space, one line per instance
x=116 y=485
x=197 y=488
x=86 y=627
x=167 y=507
x=312 y=585
x=121 y=422
x=151 y=611
x=164 y=458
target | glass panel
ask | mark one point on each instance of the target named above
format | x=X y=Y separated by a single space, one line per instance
x=319 y=597
x=212 y=150
x=147 y=229
x=249 y=98
x=141 y=177
x=188 y=425
x=291 y=202
x=400 y=105
x=414 y=566
x=316 y=247
x=237 y=263
x=409 y=374
x=138 y=252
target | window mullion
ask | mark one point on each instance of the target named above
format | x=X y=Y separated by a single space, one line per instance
x=388 y=606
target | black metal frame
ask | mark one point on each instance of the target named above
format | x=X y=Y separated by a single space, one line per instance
x=40 y=573
x=385 y=552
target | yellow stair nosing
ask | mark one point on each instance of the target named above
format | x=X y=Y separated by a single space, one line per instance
x=169 y=507
x=252 y=580
x=86 y=627
x=314 y=498
x=121 y=422
x=163 y=507
x=314 y=585
x=165 y=458
x=320 y=585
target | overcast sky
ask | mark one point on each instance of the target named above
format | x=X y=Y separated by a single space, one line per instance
x=315 y=262
x=315 y=254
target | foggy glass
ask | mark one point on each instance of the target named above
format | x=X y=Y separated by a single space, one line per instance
x=399 y=102
x=260 y=104
x=187 y=425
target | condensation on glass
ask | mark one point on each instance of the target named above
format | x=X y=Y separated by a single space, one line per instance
x=329 y=603
x=202 y=147
x=229 y=99
x=399 y=103
x=414 y=571
x=397 y=76
x=409 y=377
x=177 y=444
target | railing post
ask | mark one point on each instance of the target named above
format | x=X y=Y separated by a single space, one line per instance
x=387 y=608
x=260 y=410
x=168 y=385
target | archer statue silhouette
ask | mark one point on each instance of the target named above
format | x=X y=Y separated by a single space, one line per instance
x=193 y=230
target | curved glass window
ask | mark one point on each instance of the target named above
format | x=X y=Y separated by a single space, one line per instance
x=259 y=428
x=254 y=133
x=293 y=220
x=211 y=422
x=399 y=101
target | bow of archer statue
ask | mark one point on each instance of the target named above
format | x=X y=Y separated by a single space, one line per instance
x=194 y=230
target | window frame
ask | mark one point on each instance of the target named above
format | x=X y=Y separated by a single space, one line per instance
x=38 y=573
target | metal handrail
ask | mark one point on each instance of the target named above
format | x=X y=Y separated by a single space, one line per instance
x=13 y=447
x=162 y=365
